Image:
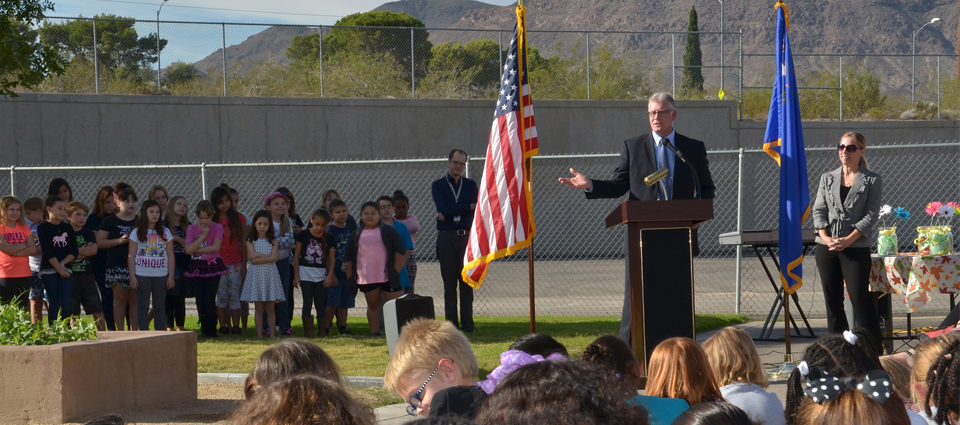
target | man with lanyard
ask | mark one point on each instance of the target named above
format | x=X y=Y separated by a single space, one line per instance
x=456 y=199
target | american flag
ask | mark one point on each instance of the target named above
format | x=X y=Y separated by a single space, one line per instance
x=503 y=221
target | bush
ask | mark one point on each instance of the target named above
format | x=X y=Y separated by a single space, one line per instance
x=16 y=329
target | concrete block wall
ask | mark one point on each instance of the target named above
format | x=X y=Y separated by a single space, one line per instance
x=63 y=129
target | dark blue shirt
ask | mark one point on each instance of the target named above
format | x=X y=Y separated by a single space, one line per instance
x=450 y=206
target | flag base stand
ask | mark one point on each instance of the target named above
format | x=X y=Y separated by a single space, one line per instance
x=782 y=373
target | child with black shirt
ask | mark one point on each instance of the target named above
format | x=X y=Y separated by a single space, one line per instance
x=314 y=259
x=85 y=290
x=59 y=245
x=342 y=297
x=114 y=237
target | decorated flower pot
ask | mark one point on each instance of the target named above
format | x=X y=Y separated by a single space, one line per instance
x=887 y=241
x=934 y=240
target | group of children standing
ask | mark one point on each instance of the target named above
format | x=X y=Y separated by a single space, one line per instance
x=121 y=263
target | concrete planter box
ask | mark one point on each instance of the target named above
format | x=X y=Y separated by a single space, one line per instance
x=120 y=371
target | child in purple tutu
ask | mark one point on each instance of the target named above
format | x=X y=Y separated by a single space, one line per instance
x=203 y=245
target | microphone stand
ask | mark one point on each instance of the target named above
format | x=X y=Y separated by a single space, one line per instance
x=693 y=170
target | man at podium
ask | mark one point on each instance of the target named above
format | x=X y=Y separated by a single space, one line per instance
x=644 y=155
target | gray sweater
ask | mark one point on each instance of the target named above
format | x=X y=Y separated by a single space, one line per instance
x=763 y=407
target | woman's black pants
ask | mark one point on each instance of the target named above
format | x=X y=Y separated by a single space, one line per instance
x=853 y=266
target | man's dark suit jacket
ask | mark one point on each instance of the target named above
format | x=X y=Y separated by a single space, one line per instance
x=638 y=159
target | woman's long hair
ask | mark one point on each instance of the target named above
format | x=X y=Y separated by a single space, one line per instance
x=861 y=143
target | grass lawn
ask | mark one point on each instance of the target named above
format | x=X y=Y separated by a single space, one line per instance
x=362 y=355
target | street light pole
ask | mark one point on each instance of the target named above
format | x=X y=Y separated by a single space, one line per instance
x=158 y=44
x=721 y=44
x=913 y=75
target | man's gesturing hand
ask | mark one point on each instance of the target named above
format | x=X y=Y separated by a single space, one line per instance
x=578 y=181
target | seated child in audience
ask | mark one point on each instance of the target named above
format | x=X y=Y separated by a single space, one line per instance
x=529 y=348
x=288 y=358
x=933 y=385
x=679 y=369
x=441 y=420
x=740 y=375
x=614 y=353
x=721 y=413
x=560 y=393
x=867 y=400
x=541 y=344
x=304 y=399
x=839 y=355
x=901 y=381
x=434 y=370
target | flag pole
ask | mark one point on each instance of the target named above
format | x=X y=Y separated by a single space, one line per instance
x=529 y=165
x=533 y=305
x=786 y=324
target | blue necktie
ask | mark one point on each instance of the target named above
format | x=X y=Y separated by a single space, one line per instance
x=662 y=161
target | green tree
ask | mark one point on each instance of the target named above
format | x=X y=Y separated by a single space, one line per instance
x=862 y=97
x=179 y=73
x=24 y=61
x=470 y=70
x=346 y=38
x=691 y=84
x=119 y=48
x=612 y=76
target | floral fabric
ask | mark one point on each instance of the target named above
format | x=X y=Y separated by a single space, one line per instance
x=914 y=277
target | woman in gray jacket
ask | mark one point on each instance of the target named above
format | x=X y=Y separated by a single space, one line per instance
x=844 y=213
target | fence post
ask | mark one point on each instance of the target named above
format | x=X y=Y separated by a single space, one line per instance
x=320 y=42
x=588 y=66
x=938 y=87
x=673 y=62
x=739 y=228
x=741 y=73
x=96 y=64
x=841 y=88
x=500 y=43
x=203 y=180
x=223 y=57
x=413 y=68
x=13 y=182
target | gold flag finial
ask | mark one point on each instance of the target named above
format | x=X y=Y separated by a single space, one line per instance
x=786 y=12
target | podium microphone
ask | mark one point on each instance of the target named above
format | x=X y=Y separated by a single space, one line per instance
x=696 y=177
x=658 y=175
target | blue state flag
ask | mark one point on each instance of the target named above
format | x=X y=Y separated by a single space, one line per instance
x=784 y=142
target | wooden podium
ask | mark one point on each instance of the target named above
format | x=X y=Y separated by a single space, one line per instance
x=660 y=268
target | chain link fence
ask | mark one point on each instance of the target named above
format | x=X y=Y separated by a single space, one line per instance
x=117 y=56
x=579 y=264
x=860 y=87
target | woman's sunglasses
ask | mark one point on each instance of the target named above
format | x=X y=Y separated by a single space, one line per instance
x=848 y=148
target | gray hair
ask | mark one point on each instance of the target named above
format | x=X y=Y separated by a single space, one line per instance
x=663 y=97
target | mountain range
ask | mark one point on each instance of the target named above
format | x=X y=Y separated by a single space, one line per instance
x=863 y=27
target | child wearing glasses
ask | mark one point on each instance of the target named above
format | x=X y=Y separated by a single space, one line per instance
x=435 y=371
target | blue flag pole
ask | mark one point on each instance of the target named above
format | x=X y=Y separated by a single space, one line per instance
x=784 y=142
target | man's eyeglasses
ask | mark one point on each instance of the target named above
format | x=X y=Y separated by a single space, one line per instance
x=848 y=148
x=658 y=113
x=415 y=399
x=386 y=207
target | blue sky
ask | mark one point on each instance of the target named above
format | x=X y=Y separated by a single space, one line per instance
x=317 y=12
x=190 y=43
